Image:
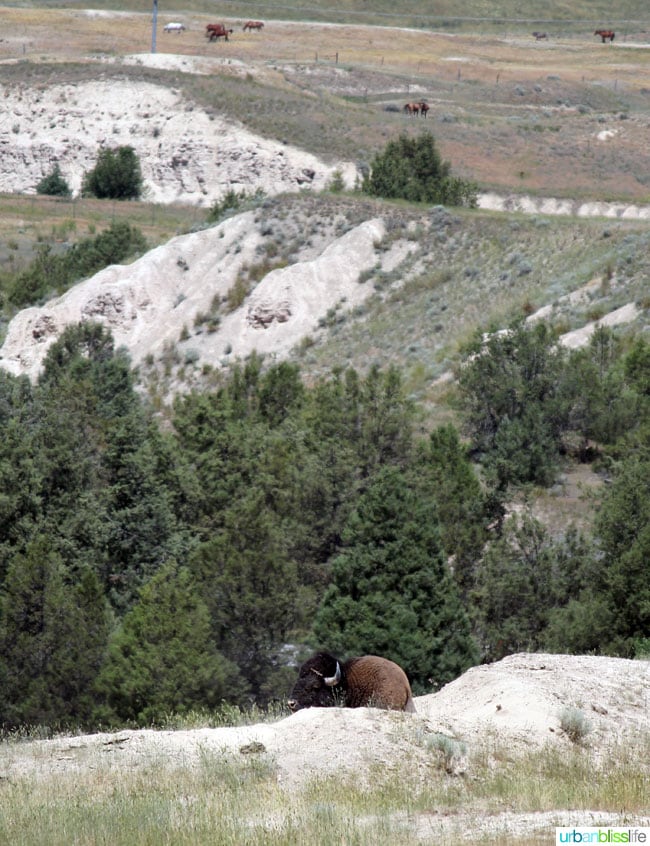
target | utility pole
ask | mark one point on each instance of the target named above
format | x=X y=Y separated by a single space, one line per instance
x=154 y=22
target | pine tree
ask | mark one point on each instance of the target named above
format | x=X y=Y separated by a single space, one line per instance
x=106 y=500
x=54 y=184
x=515 y=586
x=117 y=175
x=251 y=588
x=391 y=592
x=53 y=632
x=162 y=659
x=623 y=530
x=443 y=469
x=412 y=168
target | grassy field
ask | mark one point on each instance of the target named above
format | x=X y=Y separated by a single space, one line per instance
x=443 y=14
x=237 y=800
x=564 y=117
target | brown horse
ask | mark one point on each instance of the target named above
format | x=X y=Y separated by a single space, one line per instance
x=216 y=31
x=253 y=25
x=606 y=34
x=424 y=108
x=538 y=36
x=412 y=109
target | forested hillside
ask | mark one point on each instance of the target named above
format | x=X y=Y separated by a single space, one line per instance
x=179 y=529
x=150 y=569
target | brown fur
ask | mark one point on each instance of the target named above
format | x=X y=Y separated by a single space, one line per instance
x=378 y=682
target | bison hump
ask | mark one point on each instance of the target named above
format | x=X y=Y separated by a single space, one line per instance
x=376 y=682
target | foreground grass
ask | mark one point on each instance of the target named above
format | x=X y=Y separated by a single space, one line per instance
x=224 y=799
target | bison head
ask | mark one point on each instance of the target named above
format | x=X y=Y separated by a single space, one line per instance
x=318 y=679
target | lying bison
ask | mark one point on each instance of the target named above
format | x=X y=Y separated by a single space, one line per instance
x=323 y=681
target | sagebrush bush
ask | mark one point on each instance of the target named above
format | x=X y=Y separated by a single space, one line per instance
x=574 y=724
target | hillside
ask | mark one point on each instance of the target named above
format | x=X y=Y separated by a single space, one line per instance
x=335 y=280
x=411 y=291
x=307 y=269
x=161 y=303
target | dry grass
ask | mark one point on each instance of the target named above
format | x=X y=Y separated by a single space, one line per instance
x=445 y=14
x=27 y=222
x=230 y=799
x=511 y=113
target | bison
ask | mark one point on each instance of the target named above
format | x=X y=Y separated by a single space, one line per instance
x=323 y=681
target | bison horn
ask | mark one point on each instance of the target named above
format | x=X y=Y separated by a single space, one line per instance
x=331 y=681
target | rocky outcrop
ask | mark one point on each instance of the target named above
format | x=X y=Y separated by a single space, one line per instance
x=161 y=299
x=186 y=155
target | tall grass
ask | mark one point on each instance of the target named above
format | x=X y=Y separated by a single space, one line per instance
x=229 y=798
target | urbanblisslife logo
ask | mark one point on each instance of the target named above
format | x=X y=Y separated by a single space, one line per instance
x=602 y=834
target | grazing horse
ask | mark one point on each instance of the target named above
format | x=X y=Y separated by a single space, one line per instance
x=424 y=108
x=215 y=31
x=606 y=34
x=412 y=108
x=538 y=36
x=253 y=25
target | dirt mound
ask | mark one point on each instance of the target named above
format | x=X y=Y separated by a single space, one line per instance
x=523 y=699
x=517 y=703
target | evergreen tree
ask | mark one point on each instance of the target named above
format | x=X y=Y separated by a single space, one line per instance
x=443 y=472
x=516 y=585
x=116 y=175
x=623 y=531
x=637 y=366
x=412 y=169
x=391 y=592
x=54 y=184
x=604 y=404
x=20 y=478
x=251 y=589
x=53 y=632
x=106 y=500
x=281 y=393
x=162 y=659
x=515 y=411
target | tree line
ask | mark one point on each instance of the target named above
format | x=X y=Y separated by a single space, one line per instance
x=149 y=570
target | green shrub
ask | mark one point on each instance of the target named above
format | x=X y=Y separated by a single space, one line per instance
x=54 y=184
x=230 y=202
x=49 y=272
x=411 y=169
x=116 y=175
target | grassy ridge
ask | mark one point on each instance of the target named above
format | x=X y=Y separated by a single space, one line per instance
x=445 y=14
